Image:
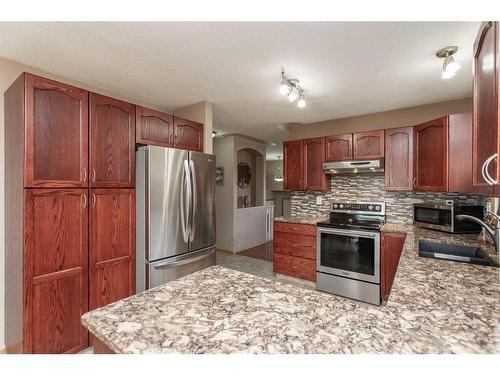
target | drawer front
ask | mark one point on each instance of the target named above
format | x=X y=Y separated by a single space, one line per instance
x=295 y=245
x=304 y=229
x=296 y=267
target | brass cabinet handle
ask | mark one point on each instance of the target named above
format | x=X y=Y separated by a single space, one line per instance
x=84 y=174
x=93 y=175
x=94 y=200
x=85 y=200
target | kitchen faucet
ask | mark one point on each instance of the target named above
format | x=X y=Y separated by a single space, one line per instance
x=486 y=224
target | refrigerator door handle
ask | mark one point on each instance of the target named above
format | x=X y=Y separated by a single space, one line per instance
x=182 y=262
x=186 y=201
x=193 y=202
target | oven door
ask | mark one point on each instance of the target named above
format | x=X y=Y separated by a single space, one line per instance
x=349 y=253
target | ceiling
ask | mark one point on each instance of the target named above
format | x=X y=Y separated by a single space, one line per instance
x=345 y=68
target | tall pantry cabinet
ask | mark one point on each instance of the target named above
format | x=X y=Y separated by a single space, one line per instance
x=70 y=211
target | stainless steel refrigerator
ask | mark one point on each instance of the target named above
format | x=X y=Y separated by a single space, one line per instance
x=175 y=192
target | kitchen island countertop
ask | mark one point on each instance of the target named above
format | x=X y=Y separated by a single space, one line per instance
x=435 y=306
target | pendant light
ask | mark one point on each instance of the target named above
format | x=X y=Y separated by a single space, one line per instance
x=278 y=177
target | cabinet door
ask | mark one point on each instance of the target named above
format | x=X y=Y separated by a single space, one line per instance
x=153 y=127
x=314 y=157
x=293 y=165
x=55 y=270
x=486 y=106
x=368 y=145
x=392 y=246
x=112 y=245
x=460 y=152
x=112 y=142
x=431 y=155
x=339 y=147
x=56 y=134
x=188 y=135
x=399 y=159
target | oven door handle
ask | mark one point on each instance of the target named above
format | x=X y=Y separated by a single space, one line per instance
x=348 y=233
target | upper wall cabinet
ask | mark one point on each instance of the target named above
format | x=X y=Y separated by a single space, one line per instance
x=293 y=170
x=314 y=156
x=56 y=138
x=154 y=128
x=431 y=155
x=112 y=142
x=188 y=135
x=368 y=145
x=486 y=110
x=460 y=152
x=399 y=159
x=338 y=147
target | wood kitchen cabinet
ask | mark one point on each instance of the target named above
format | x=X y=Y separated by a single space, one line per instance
x=47 y=243
x=112 y=142
x=431 y=155
x=293 y=171
x=314 y=157
x=460 y=153
x=56 y=270
x=153 y=127
x=368 y=145
x=391 y=248
x=56 y=134
x=294 y=250
x=486 y=105
x=188 y=135
x=339 y=147
x=399 y=159
x=112 y=245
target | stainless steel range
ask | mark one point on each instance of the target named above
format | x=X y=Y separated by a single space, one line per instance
x=348 y=251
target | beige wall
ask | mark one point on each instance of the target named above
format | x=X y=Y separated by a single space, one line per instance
x=239 y=229
x=9 y=71
x=382 y=120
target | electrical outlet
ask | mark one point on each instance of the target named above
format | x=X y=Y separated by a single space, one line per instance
x=319 y=200
x=449 y=203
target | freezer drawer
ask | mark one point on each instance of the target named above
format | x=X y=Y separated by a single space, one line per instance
x=165 y=270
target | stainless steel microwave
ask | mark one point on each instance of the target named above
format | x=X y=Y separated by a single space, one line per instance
x=443 y=217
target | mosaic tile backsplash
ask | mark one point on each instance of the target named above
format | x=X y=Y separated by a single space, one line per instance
x=370 y=187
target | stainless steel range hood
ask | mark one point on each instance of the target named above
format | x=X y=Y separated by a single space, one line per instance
x=354 y=166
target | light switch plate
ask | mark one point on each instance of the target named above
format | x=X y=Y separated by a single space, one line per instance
x=319 y=200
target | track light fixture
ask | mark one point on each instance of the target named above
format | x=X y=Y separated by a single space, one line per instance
x=450 y=66
x=292 y=89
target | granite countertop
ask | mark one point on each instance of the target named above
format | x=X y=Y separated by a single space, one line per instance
x=313 y=220
x=435 y=306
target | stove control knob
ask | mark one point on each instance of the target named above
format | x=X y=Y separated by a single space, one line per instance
x=370 y=208
x=335 y=205
x=341 y=206
x=377 y=207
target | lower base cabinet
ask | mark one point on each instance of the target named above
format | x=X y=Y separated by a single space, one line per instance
x=391 y=249
x=294 y=250
x=55 y=270
x=112 y=246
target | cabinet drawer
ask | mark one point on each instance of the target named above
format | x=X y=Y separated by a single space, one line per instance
x=304 y=229
x=295 y=245
x=296 y=267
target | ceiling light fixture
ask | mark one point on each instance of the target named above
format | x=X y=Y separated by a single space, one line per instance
x=450 y=66
x=278 y=177
x=291 y=88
